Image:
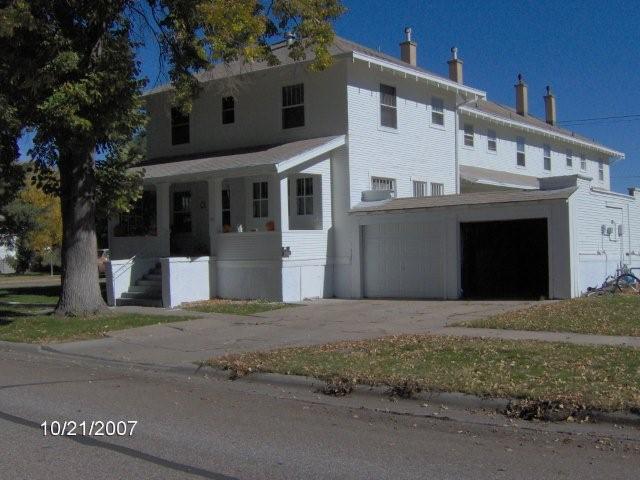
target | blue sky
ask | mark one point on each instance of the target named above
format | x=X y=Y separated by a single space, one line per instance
x=588 y=51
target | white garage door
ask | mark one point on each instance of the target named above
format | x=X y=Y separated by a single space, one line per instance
x=403 y=260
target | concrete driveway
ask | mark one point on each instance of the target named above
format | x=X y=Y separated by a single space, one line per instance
x=182 y=343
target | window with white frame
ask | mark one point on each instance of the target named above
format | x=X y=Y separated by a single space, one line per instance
x=601 y=170
x=547 y=157
x=521 y=159
x=583 y=163
x=492 y=141
x=420 y=188
x=304 y=196
x=388 y=106
x=293 y=106
x=437 y=111
x=379 y=183
x=228 y=110
x=569 y=159
x=260 y=199
x=437 y=189
x=468 y=135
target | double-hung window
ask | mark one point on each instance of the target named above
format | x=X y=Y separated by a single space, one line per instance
x=140 y=220
x=228 y=110
x=437 y=111
x=583 y=163
x=569 y=159
x=547 y=157
x=182 y=212
x=437 y=189
x=379 y=183
x=179 y=127
x=260 y=199
x=420 y=189
x=293 y=106
x=601 y=170
x=304 y=196
x=226 y=207
x=388 y=107
x=521 y=159
x=492 y=141
x=468 y=135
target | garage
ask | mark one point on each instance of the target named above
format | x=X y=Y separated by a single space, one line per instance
x=505 y=259
x=403 y=260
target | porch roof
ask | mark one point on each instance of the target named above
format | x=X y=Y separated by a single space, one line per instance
x=485 y=176
x=279 y=158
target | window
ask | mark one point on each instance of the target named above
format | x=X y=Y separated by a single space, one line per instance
x=583 y=163
x=521 y=159
x=226 y=207
x=437 y=189
x=569 y=159
x=601 y=171
x=228 y=110
x=492 y=142
x=547 y=157
x=293 y=106
x=179 y=127
x=468 y=135
x=304 y=196
x=140 y=220
x=378 y=183
x=260 y=199
x=437 y=111
x=388 y=109
x=420 y=189
x=182 y=212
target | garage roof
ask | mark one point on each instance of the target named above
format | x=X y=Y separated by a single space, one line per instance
x=502 y=179
x=483 y=198
x=280 y=157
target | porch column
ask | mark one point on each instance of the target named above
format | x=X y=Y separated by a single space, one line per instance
x=284 y=204
x=163 y=216
x=214 y=187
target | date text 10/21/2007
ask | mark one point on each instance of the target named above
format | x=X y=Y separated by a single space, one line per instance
x=93 y=428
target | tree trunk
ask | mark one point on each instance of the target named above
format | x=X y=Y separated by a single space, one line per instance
x=80 y=293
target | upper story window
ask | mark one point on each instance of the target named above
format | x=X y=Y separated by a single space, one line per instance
x=228 y=110
x=388 y=107
x=583 y=163
x=468 y=135
x=181 y=212
x=521 y=159
x=179 y=127
x=547 y=157
x=420 y=189
x=293 y=106
x=601 y=170
x=492 y=141
x=304 y=196
x=437 y=111
x=260 y=199
x=140 y=220
x=378 y=183
x=569 y=159
x=437 y=189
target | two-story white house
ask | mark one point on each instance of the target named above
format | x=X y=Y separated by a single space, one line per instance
x=374 y=178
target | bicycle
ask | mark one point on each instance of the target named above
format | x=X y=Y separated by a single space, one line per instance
x=627 y=281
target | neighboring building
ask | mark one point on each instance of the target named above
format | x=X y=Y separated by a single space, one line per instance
x=374 y=178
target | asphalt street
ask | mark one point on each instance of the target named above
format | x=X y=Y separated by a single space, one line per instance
x=202 y=426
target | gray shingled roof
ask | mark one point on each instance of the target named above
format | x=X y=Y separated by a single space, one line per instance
x=232 y=159
x=484 y=198
x=484 y=175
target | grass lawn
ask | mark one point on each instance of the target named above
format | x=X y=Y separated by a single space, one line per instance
x=605 y=315
x=23 y=320
x=234 y=307
x=596 y=377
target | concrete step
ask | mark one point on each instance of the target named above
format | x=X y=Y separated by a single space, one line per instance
x=149 y=283
x=153 y=276
x=150 y=289
x=139 y=302
x=142 y=295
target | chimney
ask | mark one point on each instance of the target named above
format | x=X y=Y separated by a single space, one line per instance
x=522 y=100
x=455 y=66
x=409 y=49
x=550 y=107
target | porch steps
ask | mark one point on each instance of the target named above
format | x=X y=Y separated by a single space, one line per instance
x=147 y=292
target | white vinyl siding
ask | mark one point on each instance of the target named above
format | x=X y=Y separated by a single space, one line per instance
x=521 y=159
x=492 y=141
x=420 y=189
x=468 y=135
x=437 y=111
x=388 y=107
x=547 y=157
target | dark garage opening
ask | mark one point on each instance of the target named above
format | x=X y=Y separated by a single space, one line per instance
x=505 y=260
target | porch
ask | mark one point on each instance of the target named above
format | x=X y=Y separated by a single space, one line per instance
x=251 y=231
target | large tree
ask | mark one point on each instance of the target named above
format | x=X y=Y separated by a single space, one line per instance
x=68 y=72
